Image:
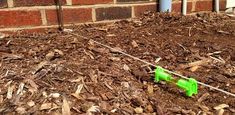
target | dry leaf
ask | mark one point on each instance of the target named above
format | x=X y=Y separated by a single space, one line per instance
x=65 y=107
x=221 y=106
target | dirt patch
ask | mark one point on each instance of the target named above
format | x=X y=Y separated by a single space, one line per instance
x=55 y=72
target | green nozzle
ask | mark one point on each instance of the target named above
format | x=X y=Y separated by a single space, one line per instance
x=189 y=86
x=160 y=75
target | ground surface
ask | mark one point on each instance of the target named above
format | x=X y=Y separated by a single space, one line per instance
x=52 y=72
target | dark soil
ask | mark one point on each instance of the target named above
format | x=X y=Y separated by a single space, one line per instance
x=44 y=70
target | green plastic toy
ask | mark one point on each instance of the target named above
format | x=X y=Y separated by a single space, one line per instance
x=190 y=86
x=160 y=75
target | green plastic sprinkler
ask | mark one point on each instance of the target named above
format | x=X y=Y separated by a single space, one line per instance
x=189 y=86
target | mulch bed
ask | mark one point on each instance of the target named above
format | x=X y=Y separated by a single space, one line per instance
x=59 y=72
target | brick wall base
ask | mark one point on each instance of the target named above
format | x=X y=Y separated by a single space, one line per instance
x=26 y=14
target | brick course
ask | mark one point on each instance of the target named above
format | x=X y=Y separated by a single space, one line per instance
x=19 y=18
x=36 y=2
x=177 y=7
x=88 y=2
x=76 y=15
x=112 y=13
x=204 y=6
x=142 y=8
x=132 y=0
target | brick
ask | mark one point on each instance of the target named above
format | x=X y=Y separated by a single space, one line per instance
x=177 y=7
x=36 y=2
x=75 y=15
x=112 y=13
x=222 y=5
x=19 y=18
x=139 y=10
x=88 y=2
x=3 y=3
x=204 y=6
x=132 y=0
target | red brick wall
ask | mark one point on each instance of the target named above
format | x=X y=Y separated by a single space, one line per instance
x=42 y=13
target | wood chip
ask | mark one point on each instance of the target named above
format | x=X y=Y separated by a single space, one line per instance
x=12 y=57
x=46 y=106
x=10 y=91
x=203 y=97
x=31 y=103
x=20 y=89
x=157 y=60
x=203 y=107
x=138 y=110
x=115 y=58
x=126 y=67
x=32 y=84
x=194 y=68
x=65 y=107
x=54 y=95
x=40 y=66
x=79 y=89
x=149 y=108
x=116 y=50
x=2 y=35
x=200 y=62
x=221 y=106
x=21 y=110
x=197 y=63
x=50 y=56
x=134 y=44
x=1 y=99
x=93 y=109
x=150 y=89
x=77 y=92
x=220 y=112
x=110 y=35
x=59 y=52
